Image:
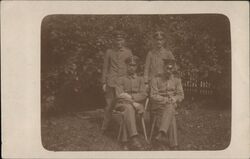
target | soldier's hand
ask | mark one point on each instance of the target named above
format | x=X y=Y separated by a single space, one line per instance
x=125 y=95
x=136 y=105
x=140 y=109
x=146 y=86
x=104 y=87
x=168 y=100
x=173 y=100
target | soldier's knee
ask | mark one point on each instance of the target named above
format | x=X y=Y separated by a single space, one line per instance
x=109 y=107
x=109 y=102
x=170 y=109
x=129 y=107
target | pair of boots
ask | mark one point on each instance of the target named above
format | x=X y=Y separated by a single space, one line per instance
x=134 y=144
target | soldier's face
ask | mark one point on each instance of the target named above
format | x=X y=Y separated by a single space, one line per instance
x=160 y=43
x=132 y=69
x=168 y=70
x=120 y=43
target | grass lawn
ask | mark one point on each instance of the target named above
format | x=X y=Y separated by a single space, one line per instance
x=202 y=125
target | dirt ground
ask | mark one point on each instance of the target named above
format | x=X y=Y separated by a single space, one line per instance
x=201 y=126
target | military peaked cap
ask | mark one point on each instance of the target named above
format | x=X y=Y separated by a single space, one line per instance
x=132 y=60
x=119 y=35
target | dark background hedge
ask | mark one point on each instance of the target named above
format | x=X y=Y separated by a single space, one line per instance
x=72 y=49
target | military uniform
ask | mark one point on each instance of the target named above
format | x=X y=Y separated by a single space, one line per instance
x=135 y=87
x=154 y=63
x=154 y=60
x=165 y=92
x=113 y=67
x=130 y=93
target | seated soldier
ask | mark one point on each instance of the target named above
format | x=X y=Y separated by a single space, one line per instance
x=166 y=91
x=130 y=92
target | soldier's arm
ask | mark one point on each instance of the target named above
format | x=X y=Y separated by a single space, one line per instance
x=119 y=87
x=142 y=94
x=146 y=67
x=169 y=55
x=179 y=95
x=105 y=67
x=155 y=94
x=130 y=52
x=121 y=95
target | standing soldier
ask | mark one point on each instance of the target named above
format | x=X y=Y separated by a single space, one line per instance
x=131 y=93
x=113 y=67
x=166 y=91
x=154 y=59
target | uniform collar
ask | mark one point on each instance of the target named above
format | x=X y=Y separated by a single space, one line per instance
x=170 y=78
x=132 y=76
x=121 y=49
x=159 y=50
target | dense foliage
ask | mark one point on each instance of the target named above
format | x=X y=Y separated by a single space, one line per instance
x=73 y=47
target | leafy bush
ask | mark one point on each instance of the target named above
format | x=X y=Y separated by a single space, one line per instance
x=73 y=47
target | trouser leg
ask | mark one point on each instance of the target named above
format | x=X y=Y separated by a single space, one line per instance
x=130 y=120
x=166 y=122
x=124 y=133
x=109 y=107
x=167 y=118
x=173 y=133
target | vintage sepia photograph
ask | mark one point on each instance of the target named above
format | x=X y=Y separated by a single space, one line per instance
x=125 y=79
x=155 y=82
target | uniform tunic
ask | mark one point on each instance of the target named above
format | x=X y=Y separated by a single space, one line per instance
x=154 y=63
x=135 y=87
x=161 y=90
x=114 y=65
